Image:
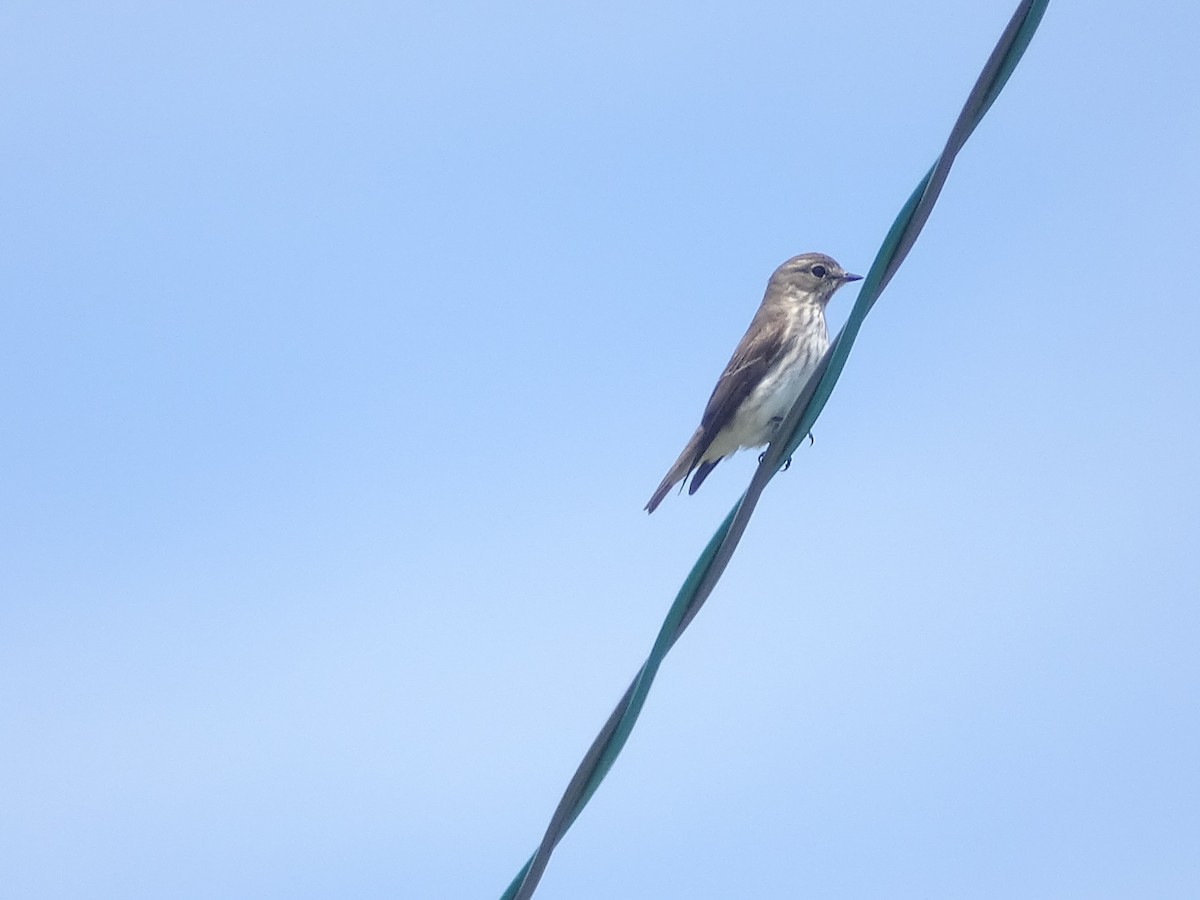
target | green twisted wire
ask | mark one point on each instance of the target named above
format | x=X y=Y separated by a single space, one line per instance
x=798 y=423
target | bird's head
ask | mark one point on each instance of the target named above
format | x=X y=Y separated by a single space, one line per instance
x=813 y=276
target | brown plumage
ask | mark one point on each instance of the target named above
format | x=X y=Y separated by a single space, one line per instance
x=785 y=341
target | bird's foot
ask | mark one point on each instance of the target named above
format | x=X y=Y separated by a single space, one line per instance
x=787 y=463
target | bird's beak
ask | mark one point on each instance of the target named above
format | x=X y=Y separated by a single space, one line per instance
x=848 y=277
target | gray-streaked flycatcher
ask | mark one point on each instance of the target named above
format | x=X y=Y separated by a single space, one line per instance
x=785 y=341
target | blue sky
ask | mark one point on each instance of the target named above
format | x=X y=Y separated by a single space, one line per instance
x=341 y=346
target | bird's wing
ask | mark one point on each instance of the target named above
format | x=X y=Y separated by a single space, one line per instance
x=758 y=349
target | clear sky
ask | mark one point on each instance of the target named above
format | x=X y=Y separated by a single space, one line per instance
x=342 y=344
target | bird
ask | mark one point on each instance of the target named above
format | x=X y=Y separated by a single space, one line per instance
x=786 y=339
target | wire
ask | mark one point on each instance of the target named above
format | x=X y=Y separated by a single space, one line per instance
x=804 y=412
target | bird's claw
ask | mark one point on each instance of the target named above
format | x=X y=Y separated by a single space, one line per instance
x=787 y=463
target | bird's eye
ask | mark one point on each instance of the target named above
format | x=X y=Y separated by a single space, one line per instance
x=819 y=271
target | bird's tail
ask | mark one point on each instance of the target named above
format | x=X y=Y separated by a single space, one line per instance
x=682 y=468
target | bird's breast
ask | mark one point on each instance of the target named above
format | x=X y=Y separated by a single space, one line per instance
x=756 y=419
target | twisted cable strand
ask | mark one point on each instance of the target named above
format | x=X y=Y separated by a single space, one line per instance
x=808 y=406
